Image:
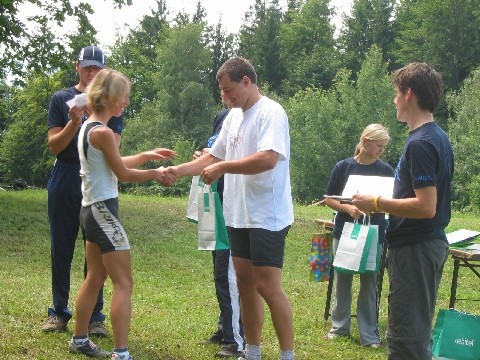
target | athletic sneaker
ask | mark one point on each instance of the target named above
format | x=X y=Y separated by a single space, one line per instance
x=54 y=323
x=115 y=356
x=230 y=350
x=88 y=348
x=333 y=336
x=97 y=328
x=243 y=356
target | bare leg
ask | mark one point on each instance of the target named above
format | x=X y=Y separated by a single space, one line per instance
x=118 y=266
x=251 y=303
x=268 y=281
x=88 y=293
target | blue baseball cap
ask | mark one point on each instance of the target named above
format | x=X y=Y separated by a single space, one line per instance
x=91 y=56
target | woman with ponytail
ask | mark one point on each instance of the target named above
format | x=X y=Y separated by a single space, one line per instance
x=366 y=161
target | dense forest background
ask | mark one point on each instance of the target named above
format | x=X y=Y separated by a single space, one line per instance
x=331 y=83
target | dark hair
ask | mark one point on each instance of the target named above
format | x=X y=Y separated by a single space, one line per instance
x=425 y=82
x=237 y=68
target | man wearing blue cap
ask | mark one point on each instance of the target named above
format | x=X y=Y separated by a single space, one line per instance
x=66 y=114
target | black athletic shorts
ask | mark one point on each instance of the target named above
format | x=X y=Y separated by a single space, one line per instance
x=262 y=247
x=100 y=224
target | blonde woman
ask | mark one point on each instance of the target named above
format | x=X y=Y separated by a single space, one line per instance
x=107 y=246
x=366 y=161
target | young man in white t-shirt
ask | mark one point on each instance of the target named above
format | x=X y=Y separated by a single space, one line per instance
x=253 y=152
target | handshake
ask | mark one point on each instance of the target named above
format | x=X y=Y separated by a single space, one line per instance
x=167 y=176
x=209 y=168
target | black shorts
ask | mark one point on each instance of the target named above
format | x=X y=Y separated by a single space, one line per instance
x=262 y=247
x=101 y=226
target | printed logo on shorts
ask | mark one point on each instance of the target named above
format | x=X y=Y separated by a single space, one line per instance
x=116 y=234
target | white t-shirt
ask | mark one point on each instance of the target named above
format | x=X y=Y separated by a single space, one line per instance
x=263 y=200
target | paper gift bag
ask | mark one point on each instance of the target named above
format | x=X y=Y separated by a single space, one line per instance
x=212 y=232
x=374 y=253
x=456 y=335
x=192 y=207
x=320 y=256
x=353 y=248
x=195 y=188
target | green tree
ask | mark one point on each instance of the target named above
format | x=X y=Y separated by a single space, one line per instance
x=30 y=104
x=18 y=45
x=326 y=125
x=189 y=55
x=464 y=132
x=200 y=14
x=136 y=57
x=259 y=41
x=371 y=22
x=222 y=47
x=452 y=45
x=6 y=94
x=307 y=47
x=182 y=111
x=184 y=62
x=23 y=150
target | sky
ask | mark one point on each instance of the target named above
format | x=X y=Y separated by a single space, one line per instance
x=108 y=21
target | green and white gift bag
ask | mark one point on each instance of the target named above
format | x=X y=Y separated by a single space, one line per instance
x=456 y=335
x=354 y=247
x=212 y=232
x=374 y=253
x=192 y=208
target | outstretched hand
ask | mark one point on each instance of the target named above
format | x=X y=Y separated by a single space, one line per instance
x=160 y=154
x=199 y=153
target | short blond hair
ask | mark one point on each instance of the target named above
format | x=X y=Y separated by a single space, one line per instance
x=107 y=87
x=373 y=132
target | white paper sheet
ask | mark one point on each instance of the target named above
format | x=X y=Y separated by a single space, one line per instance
x=369 y=185
x=79 y=100
x=461 y=235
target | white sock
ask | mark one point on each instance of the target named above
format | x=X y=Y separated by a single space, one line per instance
x=253 y=352
x=287 y=355
x=123 y=353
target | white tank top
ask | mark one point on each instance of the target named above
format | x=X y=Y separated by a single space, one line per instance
x=98 y=180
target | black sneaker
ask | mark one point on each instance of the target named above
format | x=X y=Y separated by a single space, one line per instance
x=88 y=348
x=230 y=350
x=216 y=338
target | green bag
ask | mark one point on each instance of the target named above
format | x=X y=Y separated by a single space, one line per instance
x=195 y=188
x=456 y=335
x=353 y=248
x=375 y=252
x=212 y=232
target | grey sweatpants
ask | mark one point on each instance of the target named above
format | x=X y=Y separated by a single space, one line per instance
x=414 y=274
x=367 y=303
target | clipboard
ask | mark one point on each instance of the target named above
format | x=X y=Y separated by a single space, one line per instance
x=342 y=199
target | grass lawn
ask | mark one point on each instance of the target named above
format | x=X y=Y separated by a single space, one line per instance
x=174 y=303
